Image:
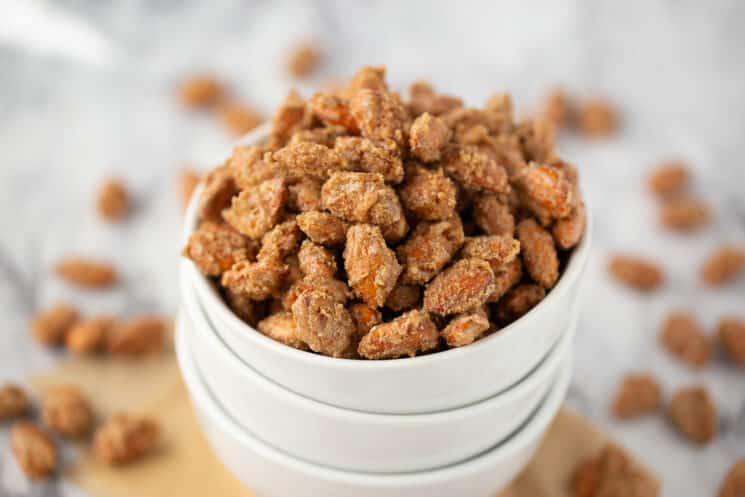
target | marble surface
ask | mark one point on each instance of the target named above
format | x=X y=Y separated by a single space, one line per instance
x=86 y=91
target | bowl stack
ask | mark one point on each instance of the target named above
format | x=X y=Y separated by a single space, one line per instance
x=291 y=423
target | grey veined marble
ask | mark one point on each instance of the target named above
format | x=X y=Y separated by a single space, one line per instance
x=86 y=91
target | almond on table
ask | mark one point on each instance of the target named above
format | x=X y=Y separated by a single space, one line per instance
x=238 y=118
x=14 y=402
x=138 y=336
x=683 y=337
x=113 y=200
x=200 y=91
x=612 y=473
x=684 y=214
x=33 y=449
x=669 y=178
x=724 y=265
x=734 y=482
x=89 y=336
x=731 y=332
x=303 y=60
x=637 y=395
x=86 y=272
x=368 y=226
x=67 y=411
x=125 y=437
x=598 y=118
x=636 y=272
x=694 y=414
x=51 y=325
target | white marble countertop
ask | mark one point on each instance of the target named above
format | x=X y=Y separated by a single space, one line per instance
x=86 y=90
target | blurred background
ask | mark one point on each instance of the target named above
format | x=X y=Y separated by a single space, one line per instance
x=88 y=90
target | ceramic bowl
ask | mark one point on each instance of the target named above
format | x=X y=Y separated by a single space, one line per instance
x=270 y=472
x=443 y=380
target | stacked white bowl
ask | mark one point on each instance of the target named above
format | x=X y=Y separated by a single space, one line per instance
x=291 y=423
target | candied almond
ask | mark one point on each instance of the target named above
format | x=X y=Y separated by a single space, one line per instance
x=303 y=60
x=684 y=213
x=538 y=253
x=250 y=166
x=518 y=301
x=363 y=154
x=248 y=310
x=372 y=267
x=200 y=91
x=638 y=394
x=365 y=317
x=380 y=115
x=279 y=242
x=33 y=449
x=362 y=198
x=723 y=265
x=316 y=261
x=731 y=332
x=332 y=110
x=259 y=280
x=694 y=414
x=493 y=215
x=428 y=136
x=367 y=77
x=405 y=335
x=89 y=336
x=238 y=118
x=465 y=285
x=219 y=188
x=325 y=136
x=304 y=195
x=323 y=227
x=545 y=191
x=465 y=329
x=113 y=200
x=214 y=248
x=50 y=326
x=536 y=138
x=336 y=289
x=290 y=116
x=281 y=327
x=428 y=194
x=14 y=402
x=424 y=99
x=669 y=178
x=254 y=212
x=612 y=473
x=138 y=336
x=429 y=248
x=87 y=273
x=306 y=158
x=684 y=338
x=598 y=118
x=568 y=231
x=322 y=322
x=125 y=437
x=67 y=411
x=505 y=279
x=635 y=272
x=498 y=251
x=474 y=169
x=187 y=181
x=403 y=297
x=734 y=482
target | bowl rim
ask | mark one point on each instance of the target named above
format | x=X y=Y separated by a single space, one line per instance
x=207 y=292
x=527 y=433
x=549 y=364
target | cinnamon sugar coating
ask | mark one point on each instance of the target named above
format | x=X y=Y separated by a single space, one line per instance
x=364 y=224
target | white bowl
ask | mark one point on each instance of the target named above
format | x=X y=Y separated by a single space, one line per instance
x=272 y=473
x=443 y=380
x=354 y=440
